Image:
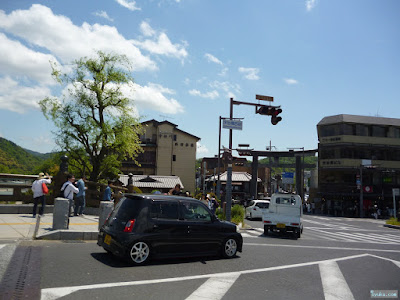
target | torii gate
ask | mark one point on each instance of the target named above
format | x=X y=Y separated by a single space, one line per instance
x=291 y=153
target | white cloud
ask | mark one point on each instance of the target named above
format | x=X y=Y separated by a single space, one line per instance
x=201 y=149
x=131 y=5
x=209 y=95
x=103 y=14
x=40 y=27
x=26 y=64
x=290 y=81
x=310 y=4
x=163 y=46
x=20 y=99
x=152 y=97
x=230 y=89
x=223 y=72
x=146 y=29
x=212 y=58
x=250 y=73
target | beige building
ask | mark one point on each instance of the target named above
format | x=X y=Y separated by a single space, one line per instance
x=168 y=151
x=358 y=153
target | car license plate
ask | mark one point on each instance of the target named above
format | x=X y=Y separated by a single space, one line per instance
x=280 y=225
x=107 y=239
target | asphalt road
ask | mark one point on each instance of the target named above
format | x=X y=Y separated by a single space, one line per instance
x=334 y=257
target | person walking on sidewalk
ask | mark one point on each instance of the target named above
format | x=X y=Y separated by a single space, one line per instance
x=80 y=197
x=69 y=190
x=38 y=195
x=107 y=192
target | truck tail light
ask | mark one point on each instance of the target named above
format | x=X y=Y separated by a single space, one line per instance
x=268 y=222
x=129 y=225
x=295 y=224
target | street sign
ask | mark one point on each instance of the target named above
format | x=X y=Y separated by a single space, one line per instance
x=288 y=177
x=396 y=192
x=265 y=98
x=232 y=124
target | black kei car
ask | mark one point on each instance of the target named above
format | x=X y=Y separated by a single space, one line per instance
x=158 y=226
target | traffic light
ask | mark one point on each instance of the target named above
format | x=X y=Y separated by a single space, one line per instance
x=275 y=119
x=272 y=111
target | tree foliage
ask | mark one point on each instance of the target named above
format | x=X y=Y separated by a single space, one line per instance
x=94 y=119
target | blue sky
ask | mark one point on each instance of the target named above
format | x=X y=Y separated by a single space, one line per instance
x=316 y=58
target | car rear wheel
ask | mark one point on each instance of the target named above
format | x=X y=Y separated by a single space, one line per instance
x=139 y=253
x=230 y=248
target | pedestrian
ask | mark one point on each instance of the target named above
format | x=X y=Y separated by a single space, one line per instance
x=204 y=200
x=69 y=189
x=176 y=190
x=213 y=205
x=38 y=194
x=108 y=192
x=80 y=197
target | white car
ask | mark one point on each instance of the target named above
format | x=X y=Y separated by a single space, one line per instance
x=256 y=208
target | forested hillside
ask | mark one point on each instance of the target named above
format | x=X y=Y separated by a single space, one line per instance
x=17 y=160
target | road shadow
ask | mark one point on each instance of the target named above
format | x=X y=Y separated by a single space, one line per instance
x=119 y=262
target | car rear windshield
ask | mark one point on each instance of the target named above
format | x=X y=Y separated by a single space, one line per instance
x=127 y=209
x=262 y=205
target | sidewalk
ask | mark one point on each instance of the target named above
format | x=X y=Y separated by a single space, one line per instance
x=22 y=226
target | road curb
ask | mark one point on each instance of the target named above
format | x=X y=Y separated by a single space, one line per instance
x=391 y=226
x=65 y=235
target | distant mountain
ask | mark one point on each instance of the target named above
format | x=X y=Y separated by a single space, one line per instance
x=17 y=160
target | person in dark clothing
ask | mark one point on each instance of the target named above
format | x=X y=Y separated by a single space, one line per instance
x=175 y=191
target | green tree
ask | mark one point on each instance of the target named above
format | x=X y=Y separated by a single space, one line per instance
x=94 y=119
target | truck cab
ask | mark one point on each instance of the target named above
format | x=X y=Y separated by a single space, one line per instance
x=284 y=215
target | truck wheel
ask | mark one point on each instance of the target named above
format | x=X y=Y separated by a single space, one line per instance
x=265 y=230
x=297 y=233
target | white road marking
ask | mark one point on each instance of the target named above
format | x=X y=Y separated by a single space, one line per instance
x=214 y=288
x=333 y=283
x=323 y=247
x=1 y=246
x=397 y=263
x=378 y=238
x=55 y=293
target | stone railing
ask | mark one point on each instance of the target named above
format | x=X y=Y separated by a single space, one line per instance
x=17 y=188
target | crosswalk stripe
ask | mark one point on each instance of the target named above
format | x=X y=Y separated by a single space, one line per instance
x=361 y=237
x=333 y=282
x=1 y=246
x=379 y=238
x=214 y=288
x=336 y=236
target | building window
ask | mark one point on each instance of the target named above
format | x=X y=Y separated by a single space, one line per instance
x=379 y=131
x=361 y=130
x=191 y=145
x=187 y=144
x=176 y=144
x=181 y=144
x=174 y=157
x=174 y=137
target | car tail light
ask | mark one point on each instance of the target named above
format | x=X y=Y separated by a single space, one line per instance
x=254 y=208
x=267 y=222
x=295 y=224
x=129 y=225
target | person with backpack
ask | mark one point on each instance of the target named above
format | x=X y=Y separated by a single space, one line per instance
x=69 y=189
x=38 y=193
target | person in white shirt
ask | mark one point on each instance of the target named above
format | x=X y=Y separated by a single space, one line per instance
x=69 y=190
x=38 y=195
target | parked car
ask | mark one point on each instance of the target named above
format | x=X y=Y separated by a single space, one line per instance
x=256 y=208
x=142 y=227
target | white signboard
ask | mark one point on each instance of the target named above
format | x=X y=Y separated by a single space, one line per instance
x=396 y=192
x=232 y=124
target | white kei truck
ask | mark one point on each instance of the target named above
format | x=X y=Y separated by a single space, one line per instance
x=284 y=215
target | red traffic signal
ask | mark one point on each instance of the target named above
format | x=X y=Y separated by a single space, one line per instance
x=272 y=111
x=275 y=119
